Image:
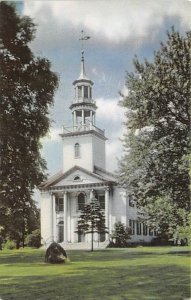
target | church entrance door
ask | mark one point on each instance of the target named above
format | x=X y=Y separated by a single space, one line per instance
x=60 y=231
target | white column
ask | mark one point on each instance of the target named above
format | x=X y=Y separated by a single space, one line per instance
x=110 y=213
x=68 y=220
x=94 y=119
x=46 y=217
x=91 y=195
x=82 y=117
x=82 y=92
x=52 y=218
x=91 y=117
x=54 y=231
x=88 y=92
x=65 y=217
x=107 y=209
x=74 y=122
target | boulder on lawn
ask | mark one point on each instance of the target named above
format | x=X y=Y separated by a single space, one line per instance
x=55 y=254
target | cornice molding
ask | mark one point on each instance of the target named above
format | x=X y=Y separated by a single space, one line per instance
x=68 y=188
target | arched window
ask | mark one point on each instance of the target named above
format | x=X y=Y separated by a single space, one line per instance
x=81 y=201
x=77 y=150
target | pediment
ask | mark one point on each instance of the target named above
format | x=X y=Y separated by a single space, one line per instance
x=74 y=176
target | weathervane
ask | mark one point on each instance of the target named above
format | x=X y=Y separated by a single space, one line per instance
x=82 y=39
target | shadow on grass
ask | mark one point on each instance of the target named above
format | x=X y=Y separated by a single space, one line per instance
x=132 y=283
x=21 y=257
x=182 y=253
x=99 y=255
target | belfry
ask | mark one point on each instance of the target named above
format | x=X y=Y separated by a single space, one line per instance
x=84 y=176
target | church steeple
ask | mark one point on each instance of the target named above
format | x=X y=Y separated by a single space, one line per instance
x=83 y=107
x=83 y=142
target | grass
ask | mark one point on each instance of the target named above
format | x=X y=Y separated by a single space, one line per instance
x=132 y=274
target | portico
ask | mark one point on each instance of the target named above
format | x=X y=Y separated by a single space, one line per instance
x=66 y=202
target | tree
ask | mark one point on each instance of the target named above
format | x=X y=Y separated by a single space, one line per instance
x=120 y=235
x=34 y=239
x=164 y=217
x=91 y=220
x=156 y=145
x=27 y=89
x=183 y=232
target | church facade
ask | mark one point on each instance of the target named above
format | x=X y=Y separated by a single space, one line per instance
x=84 y=177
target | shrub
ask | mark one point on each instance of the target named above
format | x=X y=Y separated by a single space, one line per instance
x=34 y=239
x=183 y=233
x=120 y=235
x=10 y=245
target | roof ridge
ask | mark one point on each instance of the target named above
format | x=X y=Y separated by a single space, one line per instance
x=104 y=171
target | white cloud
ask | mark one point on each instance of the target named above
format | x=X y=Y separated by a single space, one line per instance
x=113 y=152
x=94 y=71
x=114 y=20
x=100 y=76
x=109 y=110
x=53 y=135
x=111 y=117
x=125 y=91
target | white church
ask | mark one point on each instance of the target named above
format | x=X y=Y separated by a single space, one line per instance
x=83 y=177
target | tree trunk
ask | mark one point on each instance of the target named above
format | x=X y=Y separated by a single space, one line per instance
x=17 y=244
x=92 y=244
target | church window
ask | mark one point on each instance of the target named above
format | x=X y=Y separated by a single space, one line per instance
x=77 y=178
x=86 y=92
x=139 y=228
x=145 y=229
x=132 y=226
x=81 y=237
x=77 y=150
x=131 y=202
x=151 y=231
x=59 y=204
x=102 y=237
x=81 y=201
x=101 y=199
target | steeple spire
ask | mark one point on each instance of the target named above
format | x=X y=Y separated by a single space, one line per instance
x=82 y=39
x=83 y=107
x=82 y=71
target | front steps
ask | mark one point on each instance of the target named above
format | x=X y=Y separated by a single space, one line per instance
x=84 y=245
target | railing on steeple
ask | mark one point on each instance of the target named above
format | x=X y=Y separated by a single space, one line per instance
x=80 y=128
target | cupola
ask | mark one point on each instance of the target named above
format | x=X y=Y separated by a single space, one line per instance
x=83 y=107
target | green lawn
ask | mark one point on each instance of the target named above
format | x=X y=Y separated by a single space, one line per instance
x=133 y=274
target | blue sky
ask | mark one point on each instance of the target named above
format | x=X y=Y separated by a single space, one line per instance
x=119 y=29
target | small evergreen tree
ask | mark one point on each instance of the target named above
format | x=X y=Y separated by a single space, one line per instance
x=92 y=220
x=120 y=235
